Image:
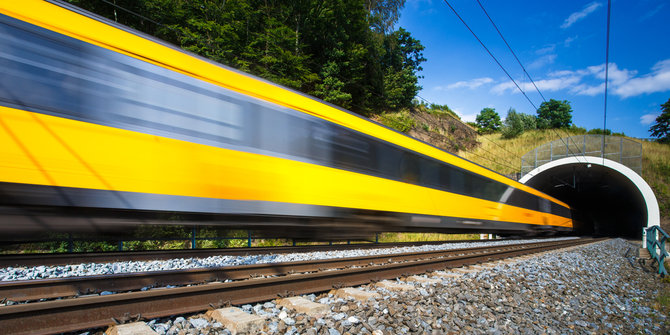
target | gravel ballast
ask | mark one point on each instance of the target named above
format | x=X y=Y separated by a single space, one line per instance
x=594 y=289
x=92 y=269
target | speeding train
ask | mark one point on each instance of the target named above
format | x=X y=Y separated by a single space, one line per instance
x=104 y=128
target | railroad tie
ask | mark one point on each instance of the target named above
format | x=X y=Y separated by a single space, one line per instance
x=135 y=328
x=423 y=280
x=302 y=305
x=237 y=321
x=356 y=294
x=448 y=275
x=391 y=286
x=463 y=270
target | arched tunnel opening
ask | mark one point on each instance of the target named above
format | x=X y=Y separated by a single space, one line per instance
x=605 y=201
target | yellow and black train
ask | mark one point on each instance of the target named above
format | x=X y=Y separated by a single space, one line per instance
x=102 y=127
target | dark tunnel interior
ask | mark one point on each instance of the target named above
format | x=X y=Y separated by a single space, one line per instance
x=604 y=201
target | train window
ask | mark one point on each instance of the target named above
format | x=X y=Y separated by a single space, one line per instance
x=457 y=181
x=444 y=175
x=429 y=173
x=409 y=168
x=559 y=210
x=350 y=150
x=388 y=160
x=544 y=204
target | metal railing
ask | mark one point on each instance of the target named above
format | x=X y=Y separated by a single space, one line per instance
x=614 y=148
x=656 y=238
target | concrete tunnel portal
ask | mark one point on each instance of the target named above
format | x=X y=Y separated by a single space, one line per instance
x=607 y=198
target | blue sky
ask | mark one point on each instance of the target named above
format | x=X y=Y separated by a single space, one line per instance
x=562 y=46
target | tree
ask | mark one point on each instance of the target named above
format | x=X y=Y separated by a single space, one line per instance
x=488 y=121
x=661 y=129
x=401 y=63
x=513 y=125
x=554 y=114
x=516 y=123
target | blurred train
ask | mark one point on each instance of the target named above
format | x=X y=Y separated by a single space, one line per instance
x=104 y=128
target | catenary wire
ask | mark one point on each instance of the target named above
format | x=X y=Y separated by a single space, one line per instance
x=528 y=75
x=428 y=101
x=607 y=63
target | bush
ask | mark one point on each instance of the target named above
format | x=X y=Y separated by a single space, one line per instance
x=516 y=123
x=400 y=121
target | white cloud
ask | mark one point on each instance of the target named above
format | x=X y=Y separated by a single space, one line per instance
x=542 y=61
x=616 y=78
x=648 y=119
x=465 y=117
x=590 y=81
x=546 y=50
x=554 y=84
x=657 y=81
x=652 y=12
x=574 y=17
x=471 y=84
x=569 y=41
x=584 y=89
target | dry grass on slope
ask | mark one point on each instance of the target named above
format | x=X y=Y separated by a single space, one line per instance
x=656 y=172
x=504 y=155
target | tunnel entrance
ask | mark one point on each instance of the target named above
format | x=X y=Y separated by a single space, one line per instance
x=607 y=198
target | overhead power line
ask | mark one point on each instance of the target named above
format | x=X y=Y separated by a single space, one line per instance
x=500 y=146
x=490 y=53
x=524 y=70
x=607 y=65
x=510 y=50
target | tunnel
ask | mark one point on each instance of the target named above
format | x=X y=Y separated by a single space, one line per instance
x=606 y=197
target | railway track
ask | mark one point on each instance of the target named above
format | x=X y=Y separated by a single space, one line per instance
x=249 y=284
x=124 y=256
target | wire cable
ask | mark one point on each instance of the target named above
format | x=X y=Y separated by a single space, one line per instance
x=490 y=54
x=500 y=146
x=512 y=51
x=527 y=74
x=607 y=63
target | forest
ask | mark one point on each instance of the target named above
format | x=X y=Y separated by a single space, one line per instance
x=346 y=52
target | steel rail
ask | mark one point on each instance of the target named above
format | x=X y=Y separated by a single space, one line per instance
x=97 y=311
x=26 y=290
x=37 y=259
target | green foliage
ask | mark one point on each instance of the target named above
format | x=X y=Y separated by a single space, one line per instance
x=516 y=123
x=554 y=114
x=400 y=121
x=600 y=131
x=439 y=110
x=344 y=51
x=577 y=130
x=661 y=128
x=488 y=121
x=402 y=56
x=513 y=125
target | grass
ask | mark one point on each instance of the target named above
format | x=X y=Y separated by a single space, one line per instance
x=400 y=121
x=504 y=155
x=656 y=172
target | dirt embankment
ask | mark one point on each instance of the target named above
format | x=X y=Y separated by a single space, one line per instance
x=434 y=127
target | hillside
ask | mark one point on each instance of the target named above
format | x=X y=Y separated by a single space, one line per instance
x=439 y=127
